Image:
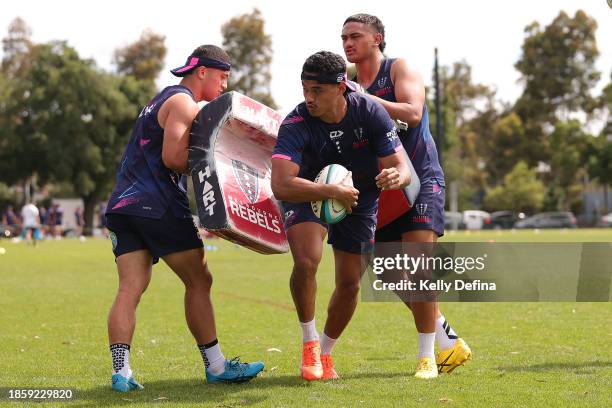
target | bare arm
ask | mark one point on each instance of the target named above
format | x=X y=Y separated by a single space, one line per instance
x=287 y=186
x=395 y=174
x=176 y=116
x=409 y=93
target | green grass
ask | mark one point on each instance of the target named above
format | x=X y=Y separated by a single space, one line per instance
x=532 y=235
x=55 y=298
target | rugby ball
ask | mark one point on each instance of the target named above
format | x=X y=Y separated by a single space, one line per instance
x=330 y=211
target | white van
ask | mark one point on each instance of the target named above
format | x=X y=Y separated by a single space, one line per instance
x=475 y=219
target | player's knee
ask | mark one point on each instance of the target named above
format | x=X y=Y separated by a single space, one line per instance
x=132 y=290
x=349 y=289
x=305 y=266
x=202 y=280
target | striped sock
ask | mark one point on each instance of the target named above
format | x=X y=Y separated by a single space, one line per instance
x=445 y=335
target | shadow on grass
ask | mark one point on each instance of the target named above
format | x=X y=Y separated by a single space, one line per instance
x=577 y=367
x=175 y=392
x=196 y=391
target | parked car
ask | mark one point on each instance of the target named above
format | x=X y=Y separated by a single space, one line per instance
x=476 y=219
x=548 y=220
x=453 y=220
x=606 y=221
x=503 y=219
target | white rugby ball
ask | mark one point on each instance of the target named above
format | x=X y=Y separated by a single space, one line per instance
x=330 y=211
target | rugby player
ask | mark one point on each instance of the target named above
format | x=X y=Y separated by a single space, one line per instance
x=400 y=90
x=149 y=218
x=332 y=125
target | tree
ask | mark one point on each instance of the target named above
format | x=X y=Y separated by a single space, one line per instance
x=520 y=191
x=598 y=155
x=557 y=68
x=8 y=196
x=558 y=72
x=5 y=126
x=568 y=144
x=250 y=49
x=462 y=95
x=506 y=144
x=72 y=122
x=599 y=165
x=143 y=59
x=16 y=48
x=462 y=101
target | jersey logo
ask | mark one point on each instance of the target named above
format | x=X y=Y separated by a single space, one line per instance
x=248 y=180
x=147 y=109
x=335 y=134
x=421 y=208
x=383 y=91
x=381 y=82
x=392 y=134
x=361 y=141
x=359 y=133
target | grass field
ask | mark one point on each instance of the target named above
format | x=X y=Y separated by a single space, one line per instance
x=55 y=298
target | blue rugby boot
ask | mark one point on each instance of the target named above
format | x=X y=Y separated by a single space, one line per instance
x=122 y=384
x=235 y=372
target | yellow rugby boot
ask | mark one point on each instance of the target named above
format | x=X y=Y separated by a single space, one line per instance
x=449 y=359
x=426 y=369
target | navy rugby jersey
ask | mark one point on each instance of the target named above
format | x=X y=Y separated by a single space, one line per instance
x=417 y=141
x=364 y=134
x=144 y=185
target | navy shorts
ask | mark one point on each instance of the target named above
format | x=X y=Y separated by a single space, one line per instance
x=161 y=237
x=355 y=233
x=426 y=214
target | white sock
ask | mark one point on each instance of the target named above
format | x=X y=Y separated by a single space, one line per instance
x=426 y=344
x=120 y=354
x=445 y=335
x=309 y=331
x=214 y=360
x=327 y=344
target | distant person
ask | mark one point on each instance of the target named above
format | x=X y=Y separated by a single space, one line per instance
x=79 y=221
x=59 y=219
x=43 y=221
x=10 y=220
x=102 y=219
x=50 y=221
x=9 y=217
x=31 y=221
x=149 y=218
